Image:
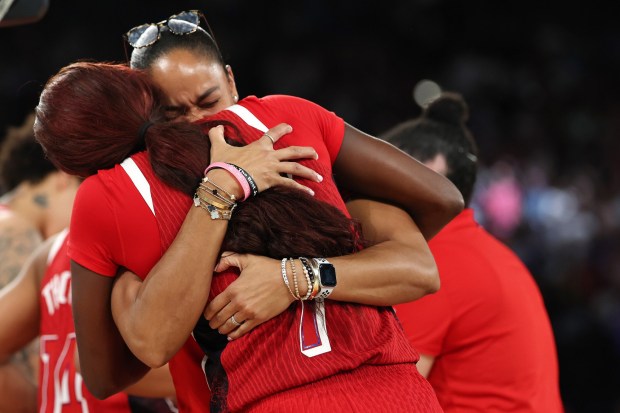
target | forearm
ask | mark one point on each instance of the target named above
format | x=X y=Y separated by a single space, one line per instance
x=375 y=169
x=17 y=392
x=105 y=362
x=397 y=267
x=182 y=279
x=389 y=273
x=108 y=366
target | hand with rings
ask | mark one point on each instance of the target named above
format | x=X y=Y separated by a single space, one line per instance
x=256 y=296
x=273 y=141
x=268 y=166
x=235 y=322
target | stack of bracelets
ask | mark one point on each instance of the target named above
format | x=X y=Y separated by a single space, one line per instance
x=310 y=268
x=216 y=200
x=220 y=204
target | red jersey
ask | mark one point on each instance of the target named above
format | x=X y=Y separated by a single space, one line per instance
x=361 y=359
x=487 y=327
x=60 y=385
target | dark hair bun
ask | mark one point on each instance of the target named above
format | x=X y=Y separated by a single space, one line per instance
x=448 y=108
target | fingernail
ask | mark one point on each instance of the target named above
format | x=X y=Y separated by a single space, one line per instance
x=229 y=339
x=310 y=191
x=289 y=129
x=319 y=178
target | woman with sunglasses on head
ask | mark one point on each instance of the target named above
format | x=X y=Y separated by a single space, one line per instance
x=186 y=63
x=354 y=357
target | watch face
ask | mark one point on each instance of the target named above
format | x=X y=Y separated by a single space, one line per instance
x=328 y=275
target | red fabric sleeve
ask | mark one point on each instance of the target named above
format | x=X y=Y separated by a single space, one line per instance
x=330 y=124
x=93 y=229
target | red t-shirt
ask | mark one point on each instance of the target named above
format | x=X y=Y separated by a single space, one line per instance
x=487 y=327
x=60 y=386
x=115 y=224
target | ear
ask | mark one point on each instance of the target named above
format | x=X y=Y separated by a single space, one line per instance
x=231 y=80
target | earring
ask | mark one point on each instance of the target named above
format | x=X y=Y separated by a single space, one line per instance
x=235 y=98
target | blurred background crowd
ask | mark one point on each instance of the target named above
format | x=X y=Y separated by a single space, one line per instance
x=542 y=81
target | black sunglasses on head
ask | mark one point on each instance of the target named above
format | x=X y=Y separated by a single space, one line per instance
x=183 y=23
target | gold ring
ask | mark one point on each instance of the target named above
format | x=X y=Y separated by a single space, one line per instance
x=273 y=141
x=234 y=321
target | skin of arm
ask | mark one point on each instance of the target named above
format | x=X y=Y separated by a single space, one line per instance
x=155 y=332
x=19 y=395
x=157 y=383
x=19 y=325
x=18 y=239
x=395 y=177
x=425 y=364
x=398 y=267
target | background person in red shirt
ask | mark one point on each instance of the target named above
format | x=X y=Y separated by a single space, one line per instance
x=485 y=338
x=36 y=205
x=38 y=303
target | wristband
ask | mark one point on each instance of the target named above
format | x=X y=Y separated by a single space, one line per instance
x=234 y=171
x=248 y=177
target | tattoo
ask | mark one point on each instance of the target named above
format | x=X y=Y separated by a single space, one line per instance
x=40 y=200
x=16 y=245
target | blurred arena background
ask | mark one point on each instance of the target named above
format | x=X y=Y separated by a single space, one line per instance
x=542 y=80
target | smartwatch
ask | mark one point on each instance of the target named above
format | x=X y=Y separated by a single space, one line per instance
x=326 y=275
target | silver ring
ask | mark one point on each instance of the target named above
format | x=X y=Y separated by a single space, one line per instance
x=273 y=141
x=234 y=321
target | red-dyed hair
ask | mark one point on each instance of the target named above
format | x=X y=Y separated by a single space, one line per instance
x=89 y=117
x=282 y=222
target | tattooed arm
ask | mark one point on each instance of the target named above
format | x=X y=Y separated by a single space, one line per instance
x=18 y=239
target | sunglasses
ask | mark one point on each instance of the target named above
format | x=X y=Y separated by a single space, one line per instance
x=186 y=22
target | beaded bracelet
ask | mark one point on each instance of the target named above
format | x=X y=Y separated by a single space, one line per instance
x=314 y=278
x=308 y=282
x=285 y=276
x=297 y=296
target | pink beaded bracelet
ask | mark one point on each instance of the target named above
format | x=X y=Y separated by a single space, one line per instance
x=235 y=173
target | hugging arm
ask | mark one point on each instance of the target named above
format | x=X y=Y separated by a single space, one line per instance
x=106 y=363
x=397 y=267
x=372 y=168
